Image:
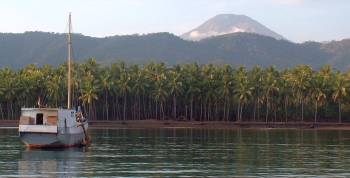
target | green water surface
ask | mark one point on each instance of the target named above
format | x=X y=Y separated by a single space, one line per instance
x=185 y=153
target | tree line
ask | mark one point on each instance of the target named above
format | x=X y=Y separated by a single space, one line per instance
x=188 y=92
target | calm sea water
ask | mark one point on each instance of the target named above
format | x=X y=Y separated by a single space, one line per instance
x=185 y=153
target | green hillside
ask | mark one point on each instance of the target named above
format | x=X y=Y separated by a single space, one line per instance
x=19 y=50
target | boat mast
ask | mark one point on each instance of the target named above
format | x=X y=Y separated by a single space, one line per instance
x=69 y=63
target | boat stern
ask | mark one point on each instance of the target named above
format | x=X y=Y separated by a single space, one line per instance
x=38 y=127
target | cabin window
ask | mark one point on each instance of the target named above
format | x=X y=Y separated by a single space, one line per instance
x=51 y=120
x=39 y=119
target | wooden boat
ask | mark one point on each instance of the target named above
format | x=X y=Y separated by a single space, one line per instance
x=54 y=127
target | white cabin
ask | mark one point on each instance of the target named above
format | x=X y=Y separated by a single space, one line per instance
x=46 y=120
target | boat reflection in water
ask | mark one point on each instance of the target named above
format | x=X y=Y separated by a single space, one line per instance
x=51 y=163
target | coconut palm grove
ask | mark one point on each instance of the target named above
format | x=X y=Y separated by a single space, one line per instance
x=186 y=92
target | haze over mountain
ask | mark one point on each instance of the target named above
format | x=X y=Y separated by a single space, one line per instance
x=226 y=24
x=19 y=50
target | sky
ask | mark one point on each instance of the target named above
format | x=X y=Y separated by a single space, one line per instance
x=296 y=20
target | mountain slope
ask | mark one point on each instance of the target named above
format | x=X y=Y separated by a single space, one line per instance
x=228 y=23
x=253 y=49
x=19 y=50
x=340 y=52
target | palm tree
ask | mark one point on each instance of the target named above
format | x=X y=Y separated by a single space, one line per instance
x=256 y=78
x=192 y=82
x=226 y=90
x=139 y=86
x=270 y=88
x=210 y=81
x=243 y=91
x=5 y=76
x=320 y=85
x=124 y=88
x=89 y=93
x=175 y=87
x=286 y=91
x=1 y=100
x=106 y=82
x=301 y=78
x=319 y=96
x=91 y=66
x=53 y=89
x=9 y=90
x=156 y=90
x=340 y=91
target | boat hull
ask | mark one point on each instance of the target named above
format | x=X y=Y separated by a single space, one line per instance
x=52 y=140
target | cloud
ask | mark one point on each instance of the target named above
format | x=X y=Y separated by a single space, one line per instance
x=290 y=2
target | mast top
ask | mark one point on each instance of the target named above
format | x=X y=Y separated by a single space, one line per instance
x=69 y=82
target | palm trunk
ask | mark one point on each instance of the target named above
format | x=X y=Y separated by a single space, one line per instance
x=139 y=107
x=1 y=111
x=90 y=112
x=241 y=111
x=228 y=112
x=201 y=112
x=191 y=108
x=8 y=110
x=216 y=111
x=124 y=109
x=106 y=105
x=254 y=112
x=302 y=111
x=224 y=112
x=117 y=108
x=135 y=110
x=94 y=110
x=275 y=118
x=12 y=113
x=238 y=111
x=144 y=107
x=205 y=112
x=161 y=110
x=258 y=110
x=114 y=109
x=156 y=110
x=174 y=106
x=208 y=110
x=267 y=110
x=315 y=120
x=339 y=111
x=285 y=109
x=224 y=116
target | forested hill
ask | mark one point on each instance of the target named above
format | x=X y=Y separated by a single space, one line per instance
x=19 y=50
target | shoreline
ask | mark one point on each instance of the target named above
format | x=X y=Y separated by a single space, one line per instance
x=140 y=124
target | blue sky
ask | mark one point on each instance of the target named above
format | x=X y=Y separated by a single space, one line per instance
x=297 y=20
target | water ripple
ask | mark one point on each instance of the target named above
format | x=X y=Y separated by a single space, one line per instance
x=185 y=153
